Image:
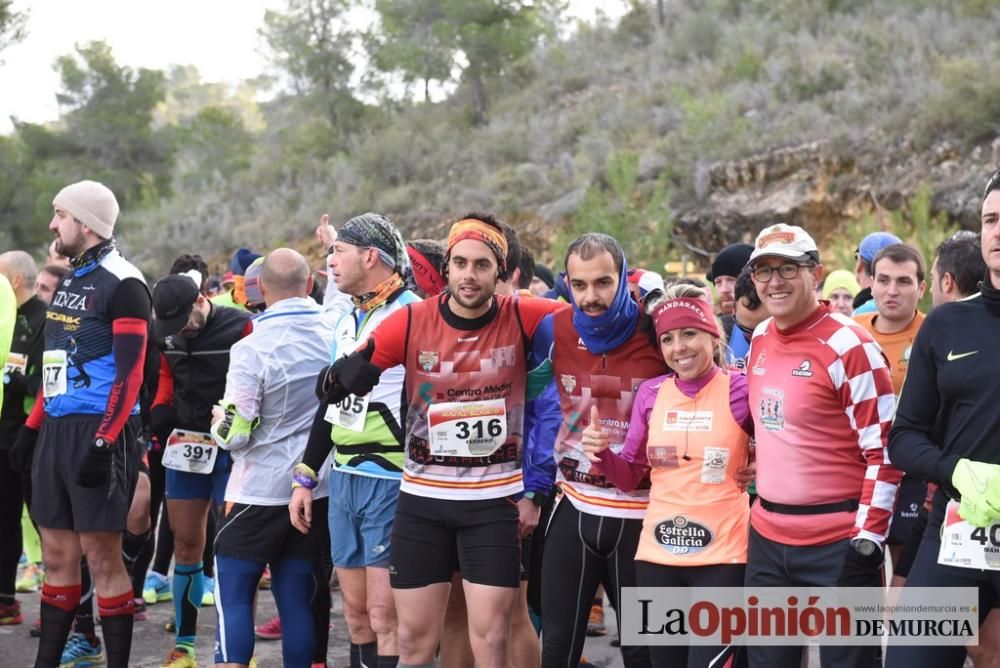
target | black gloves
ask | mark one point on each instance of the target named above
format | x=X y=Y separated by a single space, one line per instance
x=162 y=419
x=354 y=374
x=95 y=470
x=861 y=570
x=23 y=450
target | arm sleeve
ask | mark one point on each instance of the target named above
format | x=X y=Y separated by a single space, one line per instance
x=244 y=391
x=165 y=388
x=864 y=386
x=130 y=314
x=910 y=441
x=37 y=414
x=627 y=469
x=390 y=339
x=539 y=462
x=319 y=445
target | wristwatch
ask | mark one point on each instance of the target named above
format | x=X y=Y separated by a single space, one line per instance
x=536 y=498
x=101 y=443
x=865 y=547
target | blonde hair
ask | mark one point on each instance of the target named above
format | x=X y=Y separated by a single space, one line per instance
x=682 y=290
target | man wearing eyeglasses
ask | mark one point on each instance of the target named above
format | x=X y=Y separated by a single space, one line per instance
x=822 y=402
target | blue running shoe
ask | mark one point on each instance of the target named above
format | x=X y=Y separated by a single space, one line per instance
x=208 y=596
x=79 y=653
x=156 y=589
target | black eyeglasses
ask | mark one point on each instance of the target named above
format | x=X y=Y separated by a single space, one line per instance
x=787 y=271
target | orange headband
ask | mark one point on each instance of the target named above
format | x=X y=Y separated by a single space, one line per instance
x=477 y=230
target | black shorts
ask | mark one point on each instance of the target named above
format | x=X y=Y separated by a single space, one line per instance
x=433 y=538
x=265 y=533
x=908 y=503
x=60 y=502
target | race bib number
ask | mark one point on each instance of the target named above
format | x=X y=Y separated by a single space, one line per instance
x=713 y=469
x=16 y=362
x=349 y=413
x=966 y=546
x=190 y=452
x=467 y=428
x=53 y=373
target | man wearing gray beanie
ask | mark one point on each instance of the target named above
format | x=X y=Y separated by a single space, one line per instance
x=80 y=442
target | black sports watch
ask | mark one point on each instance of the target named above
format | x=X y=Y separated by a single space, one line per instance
x=101 y=443
x=536 y=498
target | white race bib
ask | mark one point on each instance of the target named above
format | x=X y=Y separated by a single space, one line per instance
x=16 y=362
x=54 y=369
x=467 y=428
x=966 y=546
x=190 y=452
x=349 y=413
x=713 y=469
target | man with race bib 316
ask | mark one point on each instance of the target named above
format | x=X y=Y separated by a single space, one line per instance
x=465 y=354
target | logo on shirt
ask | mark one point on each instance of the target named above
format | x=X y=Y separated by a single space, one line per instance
x=804 y=370
x=758 y=365
x=468 y=339
x=568 y=382
x=503 y=357
x=662 y=456
x=772 y=410
x=680 y=536
x=687 y=421
x=952 y=356
x=430 y=361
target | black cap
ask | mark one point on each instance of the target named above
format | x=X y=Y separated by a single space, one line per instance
x=173 y=299
x=545 y=274
x=730 y=261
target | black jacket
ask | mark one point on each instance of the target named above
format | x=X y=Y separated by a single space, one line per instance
x=948 y=405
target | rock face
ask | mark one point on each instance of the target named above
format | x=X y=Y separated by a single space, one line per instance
x=821 y=186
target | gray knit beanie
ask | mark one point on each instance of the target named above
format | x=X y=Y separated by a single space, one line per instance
x=91 y=203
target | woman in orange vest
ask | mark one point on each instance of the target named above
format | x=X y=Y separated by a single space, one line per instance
x=690 y=433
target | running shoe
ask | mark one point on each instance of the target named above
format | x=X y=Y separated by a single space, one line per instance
x=269 y=630
x=171 y=625
x=79 y=652
x=318 y=664
x=595 y=623
x=156 y=589
x=10 y=614
x=178 y=658
x=31 y=579
x=265 y=579
x=208 y=596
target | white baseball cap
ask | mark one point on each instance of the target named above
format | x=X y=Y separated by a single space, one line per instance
x=790 y=241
